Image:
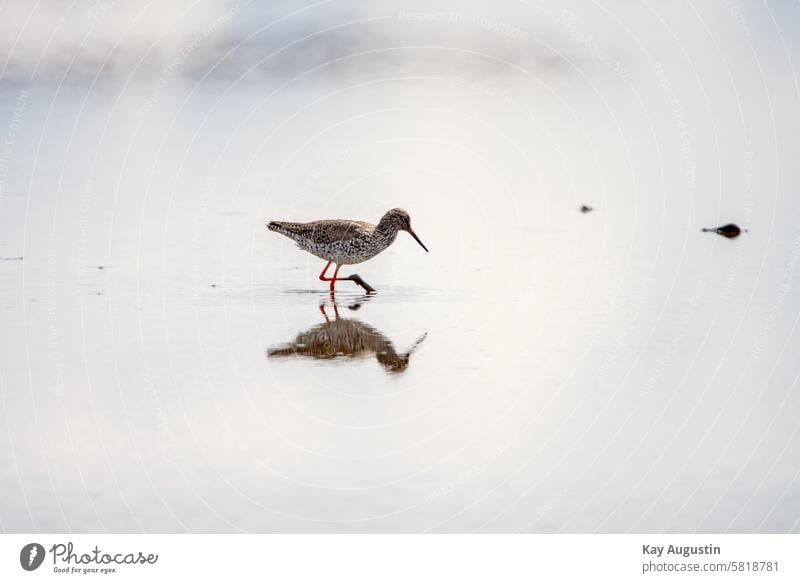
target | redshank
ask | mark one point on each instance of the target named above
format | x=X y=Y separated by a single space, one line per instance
x=345 y=242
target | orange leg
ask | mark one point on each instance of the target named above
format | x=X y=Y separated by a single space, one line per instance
x=335 y=273
x=330 y=279
x=355 y=277
x=322 y=275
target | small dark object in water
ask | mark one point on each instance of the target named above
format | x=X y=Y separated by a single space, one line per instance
x=213 y=285
x=11 y=258
x=100 y=267
x=586 y=209
x=730 y=231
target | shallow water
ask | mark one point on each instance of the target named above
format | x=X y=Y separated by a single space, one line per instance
x=529 y=407
x=166 y=364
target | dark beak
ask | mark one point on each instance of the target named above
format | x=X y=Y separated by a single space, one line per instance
x=413 y=234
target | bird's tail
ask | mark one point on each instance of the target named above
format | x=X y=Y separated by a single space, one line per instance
x=276 y=226
x=282 y=351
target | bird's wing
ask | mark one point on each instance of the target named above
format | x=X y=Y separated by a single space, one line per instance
x=322 y=232
x=340 y=230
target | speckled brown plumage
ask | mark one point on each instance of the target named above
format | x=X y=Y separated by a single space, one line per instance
x=340 y=241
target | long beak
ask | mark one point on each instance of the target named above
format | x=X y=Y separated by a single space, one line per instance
x=413 y=234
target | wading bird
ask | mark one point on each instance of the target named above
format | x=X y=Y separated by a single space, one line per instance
x=346 y=242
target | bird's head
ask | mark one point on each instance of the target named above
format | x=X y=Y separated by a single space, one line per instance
x=398 y=220
x=394 y=363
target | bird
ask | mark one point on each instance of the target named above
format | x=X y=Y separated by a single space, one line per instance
x=346 y=242
x=585 y=209
x=730 y=231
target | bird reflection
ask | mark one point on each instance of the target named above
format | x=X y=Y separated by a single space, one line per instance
x=345 y=338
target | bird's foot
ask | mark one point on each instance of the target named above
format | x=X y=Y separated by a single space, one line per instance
x=357 y=278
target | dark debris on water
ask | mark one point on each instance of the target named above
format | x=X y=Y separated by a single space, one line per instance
x=730 y=231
